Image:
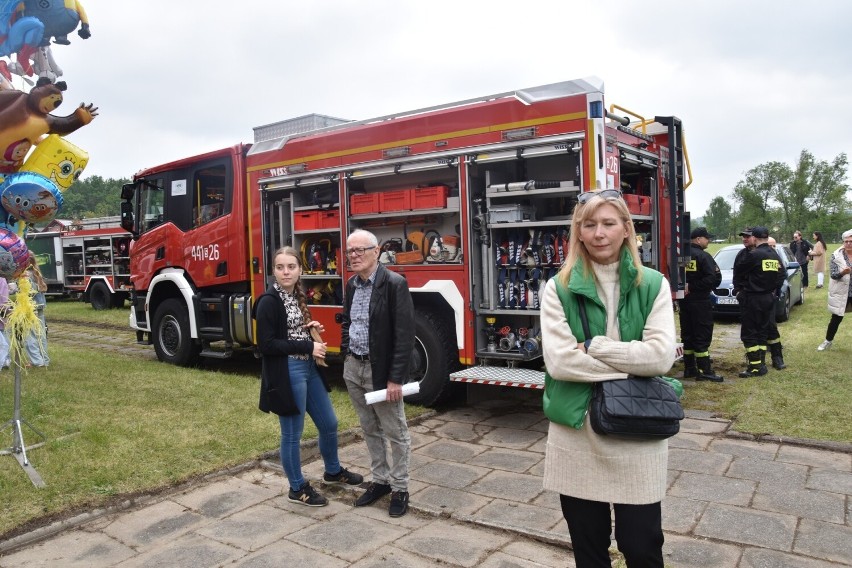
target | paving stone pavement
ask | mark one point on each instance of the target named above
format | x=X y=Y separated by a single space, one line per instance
x=476 y=500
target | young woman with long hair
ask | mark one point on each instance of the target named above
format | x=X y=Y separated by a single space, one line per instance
x=817 y=255
x=36 y=342
x=292 y=384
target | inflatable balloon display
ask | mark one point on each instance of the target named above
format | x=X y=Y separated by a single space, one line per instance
x=13 y=156
x=58 y=160
x=26 y=115
x=30 y=197
x=60 y=18
x=17 y=32
x=13 y=255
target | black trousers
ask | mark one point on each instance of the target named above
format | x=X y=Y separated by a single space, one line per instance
x=696 y=325
x=833 y=326
x=757 y=318
x=804 y=266
x=638 y=532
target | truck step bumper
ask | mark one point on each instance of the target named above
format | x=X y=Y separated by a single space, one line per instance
x=500 y=376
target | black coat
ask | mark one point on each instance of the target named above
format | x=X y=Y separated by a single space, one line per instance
x=702 y=274
x=276 y=394
x=391 y=327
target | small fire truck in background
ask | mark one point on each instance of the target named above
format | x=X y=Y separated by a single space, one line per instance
x=89 y=259
x=470 y=201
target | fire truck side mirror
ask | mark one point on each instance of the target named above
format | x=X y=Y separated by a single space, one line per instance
x=127 y=216
x=127 y=191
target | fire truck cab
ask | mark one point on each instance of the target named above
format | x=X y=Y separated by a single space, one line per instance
x=470 y=201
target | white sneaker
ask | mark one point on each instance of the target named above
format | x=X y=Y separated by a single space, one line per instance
x=824 y=345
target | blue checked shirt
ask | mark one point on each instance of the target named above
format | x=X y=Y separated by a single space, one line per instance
x=359 y=316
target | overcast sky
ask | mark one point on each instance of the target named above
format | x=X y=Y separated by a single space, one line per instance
x=753 y=81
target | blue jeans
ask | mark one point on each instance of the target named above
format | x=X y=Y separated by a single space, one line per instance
x=37 y=346
x=311 y=397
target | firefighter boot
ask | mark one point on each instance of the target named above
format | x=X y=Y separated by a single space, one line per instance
x=777 y=357
x=690 y=371
x=756 y=364
x=706 y=370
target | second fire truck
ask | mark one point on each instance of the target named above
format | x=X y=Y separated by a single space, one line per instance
x=470 y=201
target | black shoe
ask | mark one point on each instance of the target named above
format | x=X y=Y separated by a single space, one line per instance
x=343 y=477
x=399 y=504
x=778 y=363
x=711 y=376
x=690 y=373
x=754 y=372
x=373 y=493
x=307 y=495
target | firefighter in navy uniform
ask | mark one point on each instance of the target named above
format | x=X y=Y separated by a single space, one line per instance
x=773 y=338
x=761 y=273
x=696 y=315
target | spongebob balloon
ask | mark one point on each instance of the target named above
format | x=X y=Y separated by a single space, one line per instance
x=58 y=160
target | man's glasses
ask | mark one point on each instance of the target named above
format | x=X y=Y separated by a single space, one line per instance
x=584 y=198
x=847 y=242
x=358 y=251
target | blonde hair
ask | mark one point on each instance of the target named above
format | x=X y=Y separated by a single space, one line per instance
x=297 y=289
x=577 y=251
x=33 y=265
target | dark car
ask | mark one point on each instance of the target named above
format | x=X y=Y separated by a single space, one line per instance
x=792 y=292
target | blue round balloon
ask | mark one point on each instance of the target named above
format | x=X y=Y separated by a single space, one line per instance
x=30 y=197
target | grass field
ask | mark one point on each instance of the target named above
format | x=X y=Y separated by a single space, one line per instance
x=118 y=426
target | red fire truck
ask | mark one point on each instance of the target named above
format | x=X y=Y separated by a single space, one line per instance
x=471 y=202
x=88 y=259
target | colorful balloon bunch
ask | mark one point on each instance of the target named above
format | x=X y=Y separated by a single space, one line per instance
x=31 y=189
x=26 y=28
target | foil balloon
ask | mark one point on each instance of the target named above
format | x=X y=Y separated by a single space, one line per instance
x=13 y=156
x=58 y=160
x=14 y=255
x=30 y=197
x=26 y=116
x=60 y=18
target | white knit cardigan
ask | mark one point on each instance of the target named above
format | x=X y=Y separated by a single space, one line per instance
x=580 y=463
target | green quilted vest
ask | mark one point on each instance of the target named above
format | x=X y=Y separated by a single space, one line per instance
x=567 y=402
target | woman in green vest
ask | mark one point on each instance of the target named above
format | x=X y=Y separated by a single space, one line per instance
x=629 y=308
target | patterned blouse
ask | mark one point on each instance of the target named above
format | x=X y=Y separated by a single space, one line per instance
x=295 y=320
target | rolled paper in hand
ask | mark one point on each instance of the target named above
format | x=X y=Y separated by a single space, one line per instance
x=316 y=337
x=382 y=395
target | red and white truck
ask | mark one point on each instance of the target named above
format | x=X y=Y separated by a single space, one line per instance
x=89 y=259
x=471 y=202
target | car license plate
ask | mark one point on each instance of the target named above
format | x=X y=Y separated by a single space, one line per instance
x=731 y=300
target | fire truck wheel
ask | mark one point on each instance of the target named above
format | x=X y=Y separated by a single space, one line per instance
x=434 y=357
x=172 y=340
x=100 y=297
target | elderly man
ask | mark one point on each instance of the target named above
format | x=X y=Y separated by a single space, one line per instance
x=377 y=339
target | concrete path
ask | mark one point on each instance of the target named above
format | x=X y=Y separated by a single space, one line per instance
x=476 y=500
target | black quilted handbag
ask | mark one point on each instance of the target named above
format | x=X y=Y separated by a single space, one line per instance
x=643 y=408
x=639 y=408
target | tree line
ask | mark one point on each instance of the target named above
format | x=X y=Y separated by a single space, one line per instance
x=93 y=196
x=811 y=196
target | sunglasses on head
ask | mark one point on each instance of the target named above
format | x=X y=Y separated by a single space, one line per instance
x=604 y=194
